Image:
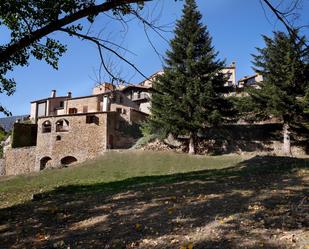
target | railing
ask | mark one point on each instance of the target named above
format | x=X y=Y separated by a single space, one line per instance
x=62 y=128
x=140 y=96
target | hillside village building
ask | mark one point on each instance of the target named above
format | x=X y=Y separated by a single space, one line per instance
x=73 y=129
x=230 y=73
x=252 y=81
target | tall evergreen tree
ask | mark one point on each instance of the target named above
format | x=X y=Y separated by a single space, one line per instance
x=283 y=63
x=188 y=97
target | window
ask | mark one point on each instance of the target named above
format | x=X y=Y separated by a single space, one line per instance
x=92 y=119
x=61 y=104
x=124 y=111
x=62 y=125
x=72 y=110
x=85 y=109
x=58 y=138
x=119 y=110
x=42 y=109
x=46 y=127
x=120 y=99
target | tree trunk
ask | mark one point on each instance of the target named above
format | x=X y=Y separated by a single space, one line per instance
x=286 y=140
x=191 y=144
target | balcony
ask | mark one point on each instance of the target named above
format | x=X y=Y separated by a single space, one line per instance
x=140 y=96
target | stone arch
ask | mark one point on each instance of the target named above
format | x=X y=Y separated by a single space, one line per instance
x=44 y=161
x=62 y=125
x=46 y=126
x=68 y=160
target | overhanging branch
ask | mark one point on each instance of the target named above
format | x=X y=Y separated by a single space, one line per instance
x=7 y=52
x=100 y=45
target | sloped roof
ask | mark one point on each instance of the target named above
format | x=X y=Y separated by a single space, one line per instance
x=248 y=77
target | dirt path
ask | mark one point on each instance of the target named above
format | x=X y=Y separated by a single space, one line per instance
x=239 y=208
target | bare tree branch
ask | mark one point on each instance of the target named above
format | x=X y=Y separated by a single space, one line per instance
x=282 y=18
x=26 y=41
x=100 y=45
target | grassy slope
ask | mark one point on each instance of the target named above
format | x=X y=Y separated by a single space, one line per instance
x=112 y=167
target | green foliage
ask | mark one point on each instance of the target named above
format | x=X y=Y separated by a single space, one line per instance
x=189 y=95
x=132 y=130
x=3 y=136
x=148 y=128
x=145 y=140
x=247 y=109
x=283 y=63
x=24 y=135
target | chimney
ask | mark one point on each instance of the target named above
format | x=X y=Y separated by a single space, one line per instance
x=53 y=94
x=69 y=95
x=233 y=64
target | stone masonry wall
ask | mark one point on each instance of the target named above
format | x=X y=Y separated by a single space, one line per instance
x=92 y=103
x=82 y=141
x=2 y=167
x=20 y=160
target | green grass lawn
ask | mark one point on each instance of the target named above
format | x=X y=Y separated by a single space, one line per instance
x=114 y=166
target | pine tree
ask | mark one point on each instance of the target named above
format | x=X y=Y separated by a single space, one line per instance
x=283 y=64
x=188 y=96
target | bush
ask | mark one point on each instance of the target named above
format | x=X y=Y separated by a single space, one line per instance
x=24 y=135
x=145 y=140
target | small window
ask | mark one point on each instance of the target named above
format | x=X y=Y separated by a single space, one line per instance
x=119 y=110
x=61 y=104
x=62 y=125
x=46 y=127
x=124 y=111
x=85 y=109
x=92 y=119
x=58 y=138
x=72 y=110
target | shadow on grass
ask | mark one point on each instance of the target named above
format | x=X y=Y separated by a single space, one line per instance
x=248 y=205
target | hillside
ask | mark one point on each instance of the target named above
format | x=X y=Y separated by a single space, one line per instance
x=3 y=136
x=159 y=200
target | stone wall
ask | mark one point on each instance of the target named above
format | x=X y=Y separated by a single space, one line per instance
x=20 y=160
x=2 y=167
x=137 y=116
x=91 y=102
x=82 y=141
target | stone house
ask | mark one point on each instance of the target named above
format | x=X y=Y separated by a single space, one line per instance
x=75 y=129
x=230 y=73
x=252 y=80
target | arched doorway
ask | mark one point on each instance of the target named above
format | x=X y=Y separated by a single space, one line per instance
x=68 y=160
x=44 y=161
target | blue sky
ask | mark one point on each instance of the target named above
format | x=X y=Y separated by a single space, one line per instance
x=235 y=25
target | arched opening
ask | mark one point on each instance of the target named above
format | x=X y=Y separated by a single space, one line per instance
x=46 y=127
x=68 y=160
x=111 y=142
x=62 y=125
x=44 y=161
